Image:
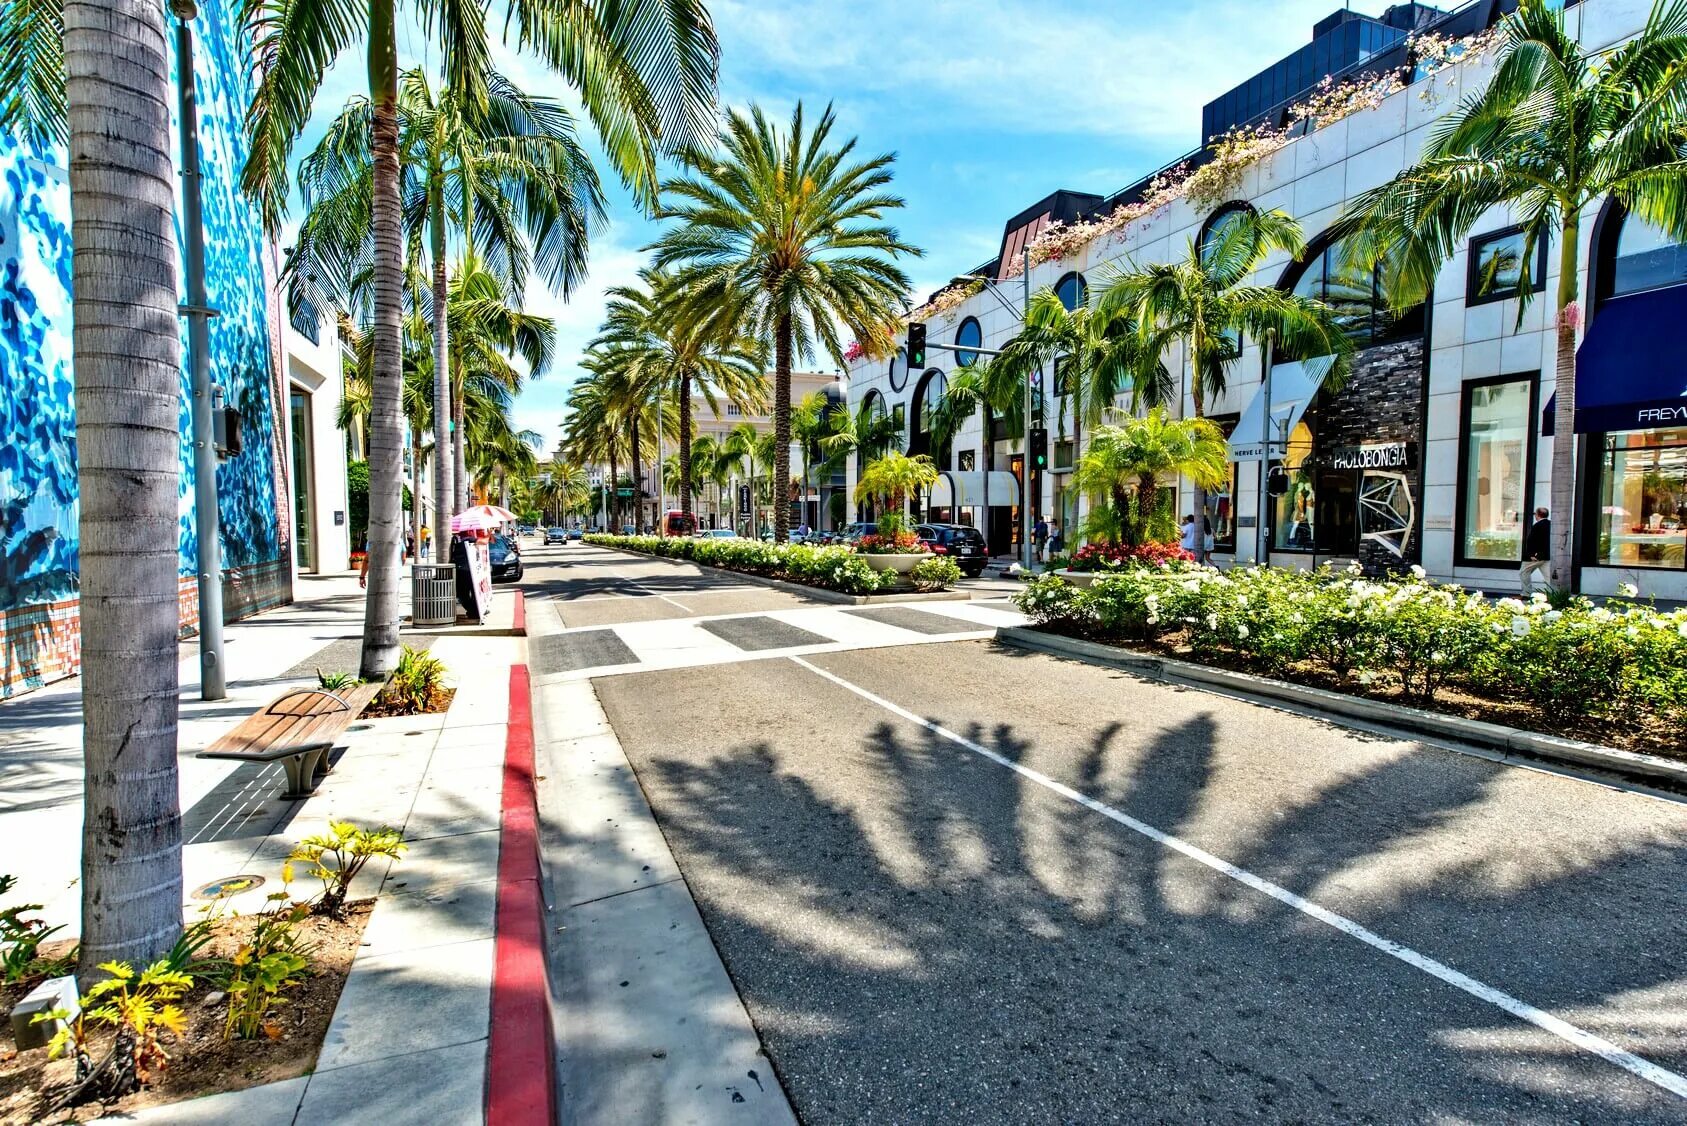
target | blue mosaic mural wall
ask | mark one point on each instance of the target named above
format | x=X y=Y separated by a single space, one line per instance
x=37 y=417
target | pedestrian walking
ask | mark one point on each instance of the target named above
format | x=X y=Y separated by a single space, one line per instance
x=1191 y=539
x=1207 y=537
x=1057 y=542
x=1040 y=536
x=1537 y=553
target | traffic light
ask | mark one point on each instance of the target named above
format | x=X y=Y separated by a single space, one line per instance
x=916 y=345
x=1039 y=448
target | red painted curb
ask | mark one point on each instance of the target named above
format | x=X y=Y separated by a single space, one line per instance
x=519 y=1087
x=520 y=615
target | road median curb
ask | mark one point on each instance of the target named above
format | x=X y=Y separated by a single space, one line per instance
x=1514 y=743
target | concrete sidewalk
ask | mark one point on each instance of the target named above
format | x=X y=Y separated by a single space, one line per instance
x=408 y=1040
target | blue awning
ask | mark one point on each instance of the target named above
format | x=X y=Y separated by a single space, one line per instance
x=1631 y=368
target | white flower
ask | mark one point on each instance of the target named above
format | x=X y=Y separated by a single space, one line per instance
x=1241 y=631
x=1212 y=621
x=1520 y=626
x=1418 y=572
x=1627 y=590
x=1682 y=629
x=1538 y=598
x=1552 y=615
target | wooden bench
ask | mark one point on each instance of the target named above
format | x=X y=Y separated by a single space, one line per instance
x=300 y=729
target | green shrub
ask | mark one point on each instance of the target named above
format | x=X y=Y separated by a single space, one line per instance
x=337 y=856
x=21 y=938
x=415 y=685
x=831 y=568
x=936 y=573
x=1569 y=659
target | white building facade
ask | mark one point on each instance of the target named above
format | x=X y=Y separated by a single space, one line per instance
x=1438 y=447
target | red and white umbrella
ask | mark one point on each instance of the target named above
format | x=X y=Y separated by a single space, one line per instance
x=481 y=518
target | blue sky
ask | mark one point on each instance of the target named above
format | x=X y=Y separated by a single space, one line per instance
x=988 y=104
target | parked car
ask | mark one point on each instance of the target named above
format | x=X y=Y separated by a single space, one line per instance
x=505 y=553
x=960 y=542
x=556 y=535
x=850 y=533
x=525 y=529
x=575 y=533
x=677 y=523
x=717 y=534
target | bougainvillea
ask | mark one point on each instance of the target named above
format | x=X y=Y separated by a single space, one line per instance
x=1106 y=556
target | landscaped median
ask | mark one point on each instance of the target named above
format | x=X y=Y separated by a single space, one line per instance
x=1614 y=675
x=828 y=568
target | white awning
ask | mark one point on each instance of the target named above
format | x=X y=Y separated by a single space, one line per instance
x=958 y=489
x=1293 y=387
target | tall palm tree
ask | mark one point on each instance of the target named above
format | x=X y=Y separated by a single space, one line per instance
x=1556 y=130
x=1202 y=303
x=651 y=325
x=128 y=393
x=1096 y=355
x=644 y=73
x=738 y=449
x=1138 y=451
x=810 y=420
x=508 y=175
x=592 y=432
x=781 y=233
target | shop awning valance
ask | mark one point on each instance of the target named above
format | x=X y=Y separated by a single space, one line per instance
x=1293 y=387
x=965 y=489
x=1631 y=368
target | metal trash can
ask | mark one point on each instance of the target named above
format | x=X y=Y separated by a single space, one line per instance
x=433 y=594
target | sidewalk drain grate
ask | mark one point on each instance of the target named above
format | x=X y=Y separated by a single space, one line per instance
x=227 y=886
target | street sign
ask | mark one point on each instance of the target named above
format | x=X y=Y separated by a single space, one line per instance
x=743 y=500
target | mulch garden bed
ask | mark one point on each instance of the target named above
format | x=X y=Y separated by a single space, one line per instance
x=202 y=1062
x=1645 y=734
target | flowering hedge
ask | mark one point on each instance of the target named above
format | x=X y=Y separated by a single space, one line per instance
x=1112 y=556
x=831 y=568
x=1624 y=662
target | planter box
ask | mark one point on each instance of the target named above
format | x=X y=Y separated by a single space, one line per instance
x=1078 y=578
x=901 y=564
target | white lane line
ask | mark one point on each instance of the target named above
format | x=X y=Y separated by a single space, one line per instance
x=1644 y=1069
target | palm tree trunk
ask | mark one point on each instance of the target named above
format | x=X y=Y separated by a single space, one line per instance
x=128 y=390
x=638 y=474
x=444 y=486
x=685 y=443
x=416 y=487
x=782 y=428
x=1196 y=392
x=613 y=507
x=1563 y=483
x=386 y=417
x=460 y=470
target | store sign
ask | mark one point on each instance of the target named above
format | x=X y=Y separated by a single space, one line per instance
x=743 y=500
x=1383 y=455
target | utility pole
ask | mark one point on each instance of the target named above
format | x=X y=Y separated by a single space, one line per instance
x=212 y=675
x=1025 y=462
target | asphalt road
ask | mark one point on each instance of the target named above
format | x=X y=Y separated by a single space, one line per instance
x=960 y=882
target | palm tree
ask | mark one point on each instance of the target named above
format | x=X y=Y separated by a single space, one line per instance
x=780 y=233
x=592 y=433
x=738 y=450
x=509 y=175
x=1556 y=130
x=1201 y=303
x=1139 y=451
x=810 y=420
x=651 y=325
x=894 y=478
x=128 y=392
x=644 y=73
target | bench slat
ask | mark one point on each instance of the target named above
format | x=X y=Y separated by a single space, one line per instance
x=264 y=731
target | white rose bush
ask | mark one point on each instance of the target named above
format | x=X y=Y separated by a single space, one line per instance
x=1623 y=663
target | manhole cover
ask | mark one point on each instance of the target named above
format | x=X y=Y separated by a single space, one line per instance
x=227 y=886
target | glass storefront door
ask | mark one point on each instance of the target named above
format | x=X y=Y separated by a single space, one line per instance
x=304 y=545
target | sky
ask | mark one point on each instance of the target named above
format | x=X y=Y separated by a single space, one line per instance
x=988 y=105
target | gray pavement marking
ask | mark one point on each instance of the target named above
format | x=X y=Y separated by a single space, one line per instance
x=917 y=621
x=569 y=652
x=1641 y=1068
x=757 y=633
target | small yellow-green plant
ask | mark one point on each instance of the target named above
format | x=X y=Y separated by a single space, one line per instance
x=273 y=958
x=139 y=1007
x=337 y=856
x=415 y=683
x=21 y=937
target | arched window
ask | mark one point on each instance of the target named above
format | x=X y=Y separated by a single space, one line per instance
x=928 y=397
x=1072 y=290
x=1645 y=258
x=1220 y=221
x=1355 y=294
x=969 y=335
x=898 y=370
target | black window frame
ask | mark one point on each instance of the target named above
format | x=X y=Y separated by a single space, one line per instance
x=1413 y=323
x=1083 y=289
x=1531 y=465
x=967 y=359
x=1537 y=275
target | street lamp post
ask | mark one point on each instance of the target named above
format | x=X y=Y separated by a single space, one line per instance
x=197 y=310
